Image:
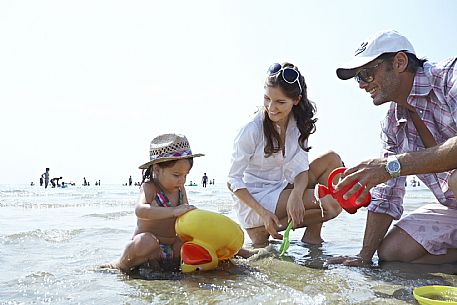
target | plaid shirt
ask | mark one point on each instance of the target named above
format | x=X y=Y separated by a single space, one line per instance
x=434 y=95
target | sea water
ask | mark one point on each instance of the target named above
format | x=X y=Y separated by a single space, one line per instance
x=52 y=241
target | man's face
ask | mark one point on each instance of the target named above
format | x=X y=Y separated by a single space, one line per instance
x=379 y=80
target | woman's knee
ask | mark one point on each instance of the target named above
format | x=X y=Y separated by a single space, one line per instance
x=332 y=209
x=332 y=159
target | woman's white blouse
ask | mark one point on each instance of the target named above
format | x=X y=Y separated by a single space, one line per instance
x=249 y=167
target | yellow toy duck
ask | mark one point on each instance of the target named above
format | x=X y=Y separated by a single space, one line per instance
x=208 y=238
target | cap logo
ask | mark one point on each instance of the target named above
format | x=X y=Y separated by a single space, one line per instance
x=362 y=48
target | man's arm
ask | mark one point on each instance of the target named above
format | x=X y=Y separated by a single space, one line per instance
x=375 y=230
x=372 y=172
x=435 y=159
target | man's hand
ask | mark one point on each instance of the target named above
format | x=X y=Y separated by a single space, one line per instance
x=354 y=261
x=368 y=173
x=271 y=222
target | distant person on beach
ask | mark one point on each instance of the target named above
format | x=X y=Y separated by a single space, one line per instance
x=270 y=175
x=422 y=114
x=130 y=181
x=45 y=177
x=204 y=179
x=85 y=182
x=55 y=181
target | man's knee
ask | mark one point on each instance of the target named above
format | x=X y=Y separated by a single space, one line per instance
x=388 y=252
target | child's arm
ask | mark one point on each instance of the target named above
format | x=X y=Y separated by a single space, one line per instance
x=152 y=211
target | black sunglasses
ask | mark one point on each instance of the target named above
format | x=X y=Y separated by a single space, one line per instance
x=288 y=74
x=367 y=74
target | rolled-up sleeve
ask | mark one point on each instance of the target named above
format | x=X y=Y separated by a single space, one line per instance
x=387 y=198
x=243 y=149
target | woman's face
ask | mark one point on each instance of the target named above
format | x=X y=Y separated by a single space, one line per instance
x=277 y=104
x=173 y=178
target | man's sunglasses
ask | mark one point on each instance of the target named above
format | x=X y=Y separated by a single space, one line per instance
x=288 y=74
x=367 y=74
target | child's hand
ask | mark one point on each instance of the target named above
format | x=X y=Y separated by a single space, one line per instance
x=178 y=211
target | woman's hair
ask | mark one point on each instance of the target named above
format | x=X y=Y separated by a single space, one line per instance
x=148 y=174
x=303 y=112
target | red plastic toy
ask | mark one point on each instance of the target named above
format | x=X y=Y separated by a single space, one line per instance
x=348 y=204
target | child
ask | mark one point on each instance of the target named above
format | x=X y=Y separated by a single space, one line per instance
x=163 y=198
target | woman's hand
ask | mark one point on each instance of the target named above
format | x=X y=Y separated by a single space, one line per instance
x=295 y=208
x=271 y=222
x=183 y=209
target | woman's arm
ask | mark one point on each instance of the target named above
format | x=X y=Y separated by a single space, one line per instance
x=270 y=220
x=295 y=207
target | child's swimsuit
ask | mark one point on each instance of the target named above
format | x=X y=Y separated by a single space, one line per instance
x=168 y=259
x=163 y=201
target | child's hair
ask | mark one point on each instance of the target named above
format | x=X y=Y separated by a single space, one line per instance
x=148 y=174
x=303 y=112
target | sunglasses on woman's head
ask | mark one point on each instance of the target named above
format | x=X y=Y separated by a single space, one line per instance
x=288 y=74
x=367 y=74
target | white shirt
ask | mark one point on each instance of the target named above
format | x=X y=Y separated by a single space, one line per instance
x=264 y=178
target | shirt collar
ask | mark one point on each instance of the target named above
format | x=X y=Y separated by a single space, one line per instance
x=421 y=87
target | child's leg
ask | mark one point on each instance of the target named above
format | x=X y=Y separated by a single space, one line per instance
x=144 y=247
x=453 y=183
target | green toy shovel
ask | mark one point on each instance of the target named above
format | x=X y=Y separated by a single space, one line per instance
x=285 y=240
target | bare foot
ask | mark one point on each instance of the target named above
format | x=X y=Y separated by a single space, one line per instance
x=245 y=253
x=112 y=265
x=312 y=237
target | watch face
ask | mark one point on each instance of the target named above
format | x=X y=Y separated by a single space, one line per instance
x=394 y=166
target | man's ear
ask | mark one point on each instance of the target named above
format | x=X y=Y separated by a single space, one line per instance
x=401 y=62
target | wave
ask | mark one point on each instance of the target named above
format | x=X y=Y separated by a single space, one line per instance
x=52 y=236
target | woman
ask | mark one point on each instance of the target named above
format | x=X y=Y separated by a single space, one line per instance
x=270 y=175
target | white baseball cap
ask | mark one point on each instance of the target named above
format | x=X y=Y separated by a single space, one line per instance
x=376 y=45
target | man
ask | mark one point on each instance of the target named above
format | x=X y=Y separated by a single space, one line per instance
x=422 y=113
x=204 y=179
x=45 y=177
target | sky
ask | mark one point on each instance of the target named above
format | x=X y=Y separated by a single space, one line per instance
x=86 y=85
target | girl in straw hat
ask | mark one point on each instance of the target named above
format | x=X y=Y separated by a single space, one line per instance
x=163 y=198
x=270 y=175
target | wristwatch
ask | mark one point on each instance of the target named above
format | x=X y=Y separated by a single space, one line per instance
x=393 y=166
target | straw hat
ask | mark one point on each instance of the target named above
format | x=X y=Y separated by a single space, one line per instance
x=168 y=147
